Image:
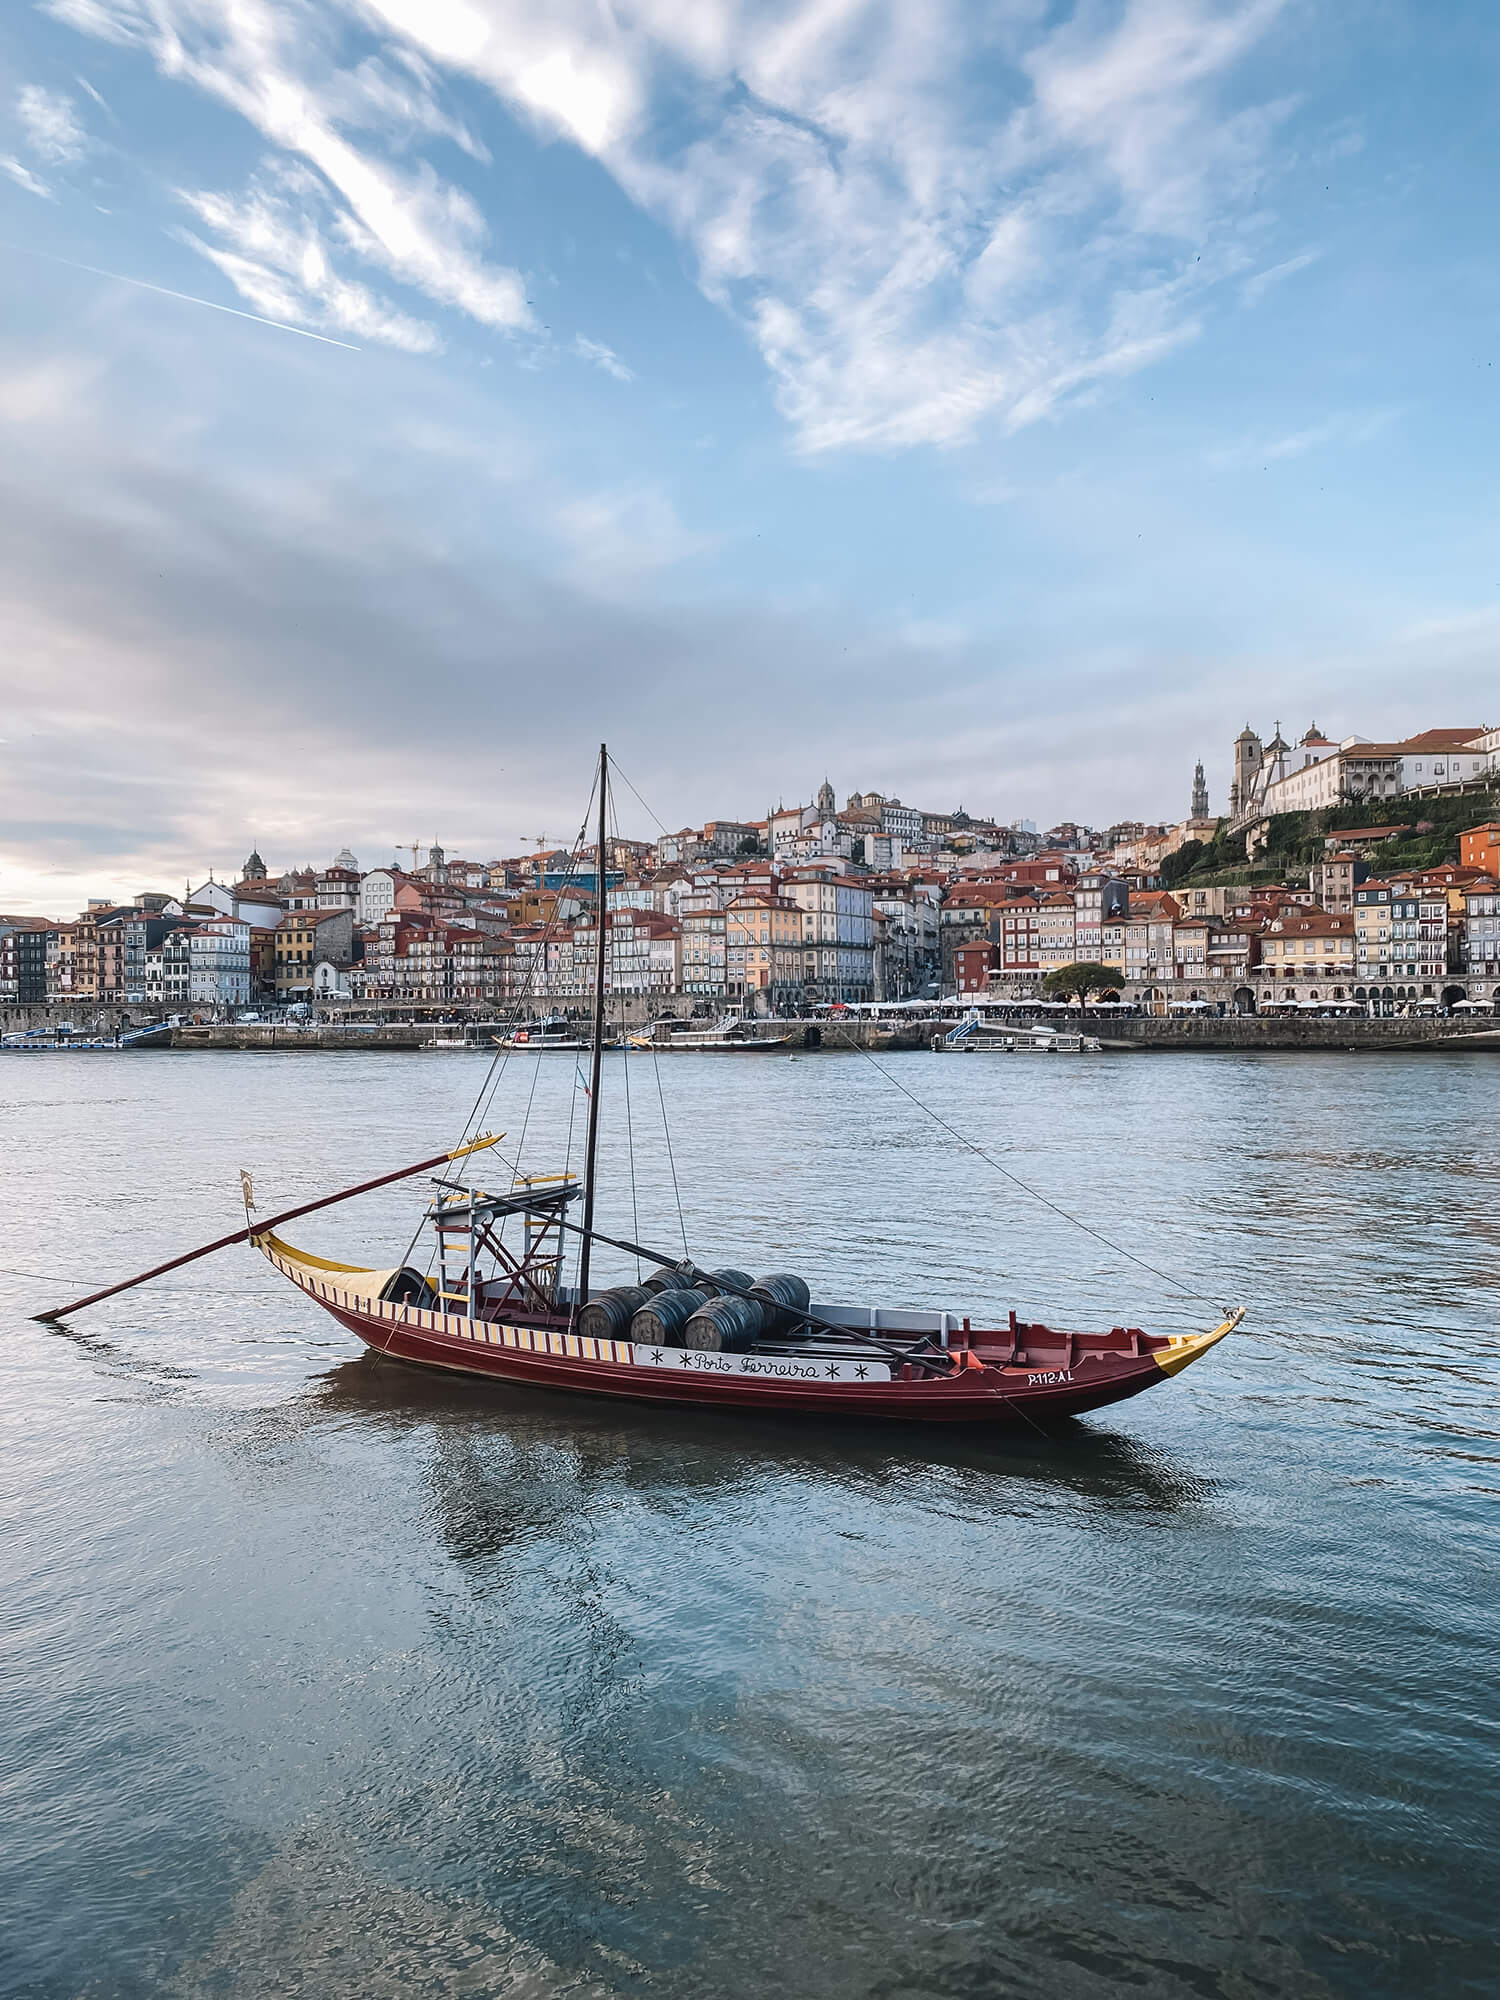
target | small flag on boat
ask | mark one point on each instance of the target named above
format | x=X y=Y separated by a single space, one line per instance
x=247 y=1189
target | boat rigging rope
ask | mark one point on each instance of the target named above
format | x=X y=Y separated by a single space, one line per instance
x=655 y=1056
x=536 y=1071
x=635 y=1212
x=1187 y=1291
x=671 y=1157
x=502 y=1055
x=636 y=795
x=567 y=1159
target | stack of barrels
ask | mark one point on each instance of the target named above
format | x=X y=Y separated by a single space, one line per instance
x=716 y=1312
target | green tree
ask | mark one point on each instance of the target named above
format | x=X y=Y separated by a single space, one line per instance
x=1177 y=867
x=1081 y=980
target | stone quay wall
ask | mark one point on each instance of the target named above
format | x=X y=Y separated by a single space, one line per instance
x=1289 y=1034
x=92 y=1017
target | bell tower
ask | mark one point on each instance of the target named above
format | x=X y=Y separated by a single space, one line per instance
x=1249 y=756
x=1200 y=793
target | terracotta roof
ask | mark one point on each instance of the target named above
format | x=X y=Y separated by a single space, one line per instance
x=1312 y=923
x=1442 y=739
x=979 y=896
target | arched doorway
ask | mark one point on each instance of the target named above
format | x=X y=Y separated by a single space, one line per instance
x=1244 y=1000
x=1451 y=995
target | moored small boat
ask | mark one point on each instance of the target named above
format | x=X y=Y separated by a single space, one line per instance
x=65 y=1040
x=555 y=1036
x=733 y=1034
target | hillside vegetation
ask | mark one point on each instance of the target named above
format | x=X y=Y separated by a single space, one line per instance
x=1296 y=841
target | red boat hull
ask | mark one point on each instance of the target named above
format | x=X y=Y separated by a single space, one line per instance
x=983 y=1396
x=1026 y=1374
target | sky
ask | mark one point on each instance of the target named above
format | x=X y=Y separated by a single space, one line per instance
x=993 y=405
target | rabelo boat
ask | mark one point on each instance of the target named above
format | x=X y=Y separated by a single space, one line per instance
x=498 y=1306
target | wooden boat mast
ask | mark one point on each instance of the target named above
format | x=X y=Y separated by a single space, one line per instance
x=597 y=1065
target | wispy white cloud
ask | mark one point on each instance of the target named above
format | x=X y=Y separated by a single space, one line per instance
x=50 y=122
x=924 y=217
x=1349 y=428
x=89 y=91
x=275 y=63
x=397 y=99
x=273 y=253
x=600 y=356
x=1255 y=288
x=24 y=177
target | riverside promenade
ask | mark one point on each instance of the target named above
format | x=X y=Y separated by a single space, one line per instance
x=1130 y=1034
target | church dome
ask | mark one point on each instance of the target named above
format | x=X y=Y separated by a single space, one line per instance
x=344 y=859
x=254 y=869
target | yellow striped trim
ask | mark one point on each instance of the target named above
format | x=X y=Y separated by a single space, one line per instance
x=452 y=1326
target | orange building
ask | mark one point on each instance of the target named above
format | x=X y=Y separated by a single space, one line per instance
x=1480 y=847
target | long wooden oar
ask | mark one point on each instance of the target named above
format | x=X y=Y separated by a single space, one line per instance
x=272 y=1222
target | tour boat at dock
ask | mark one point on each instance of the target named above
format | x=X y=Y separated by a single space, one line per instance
x=733 y=1034
x=555 y=1035
x=67 y=1040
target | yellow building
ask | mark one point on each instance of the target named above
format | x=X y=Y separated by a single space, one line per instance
x=73 y=962
x=1308 y=955
x=1056 y=933
x=296 y=955
x=763 y=945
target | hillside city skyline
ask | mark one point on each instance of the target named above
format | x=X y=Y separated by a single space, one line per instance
x=1209 y=792
x=1282 y=902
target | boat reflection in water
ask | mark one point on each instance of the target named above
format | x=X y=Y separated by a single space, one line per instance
x=489 y=1451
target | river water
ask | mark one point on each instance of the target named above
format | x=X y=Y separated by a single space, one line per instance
x=324 y=1677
